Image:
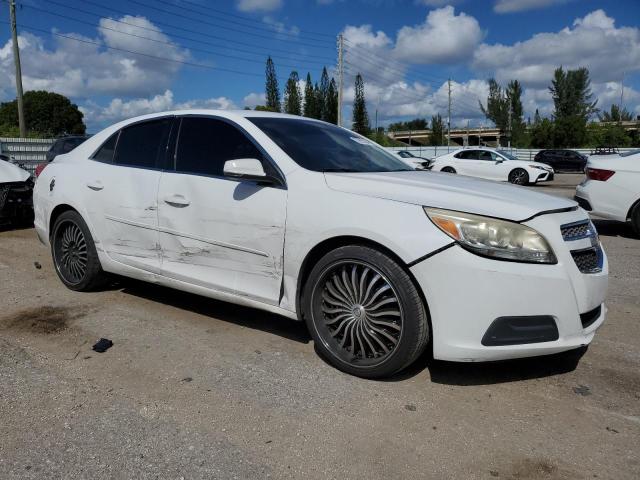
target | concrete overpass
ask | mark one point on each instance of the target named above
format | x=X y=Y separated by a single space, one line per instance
x=459 y=137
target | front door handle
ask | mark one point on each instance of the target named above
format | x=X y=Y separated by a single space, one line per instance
x=178 y=201
x=96 y=185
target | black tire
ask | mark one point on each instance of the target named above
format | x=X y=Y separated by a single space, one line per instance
x=635 y=219
x=74 y=254
x=519 y=176
x=448 y=170
x=362 y=291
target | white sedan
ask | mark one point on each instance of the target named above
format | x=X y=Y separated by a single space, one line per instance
x=16 y=188
x=317 y=223
x=415 y=162
x=612 y=187
x=492 y=165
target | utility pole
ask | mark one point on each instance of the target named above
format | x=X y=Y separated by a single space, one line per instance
x=449 y=117
x=16 y=61
x=621 y=94
x=509 y=128
x=340 y=76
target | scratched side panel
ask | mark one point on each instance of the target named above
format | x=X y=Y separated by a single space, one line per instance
x=229 y=238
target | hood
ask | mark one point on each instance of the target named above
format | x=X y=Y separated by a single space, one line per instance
x=12 y=173
x=451 y=192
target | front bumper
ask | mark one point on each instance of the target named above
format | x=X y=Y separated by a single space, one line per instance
x=466 y=293
x=16 y=201
x=545 y=177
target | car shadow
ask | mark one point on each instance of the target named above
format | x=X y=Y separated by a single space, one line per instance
x=11 y=227
x=490 y=373
x=224 y=311
x=612 y=228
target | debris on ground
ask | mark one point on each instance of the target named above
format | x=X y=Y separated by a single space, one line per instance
x=411 y=408
x=582 y=390
x=37 y=265
x=103 y=345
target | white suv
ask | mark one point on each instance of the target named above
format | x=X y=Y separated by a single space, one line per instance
x=612 y=187
x=317 y=223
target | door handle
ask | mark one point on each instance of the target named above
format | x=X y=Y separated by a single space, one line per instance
x=178 y=201
x=95 y=186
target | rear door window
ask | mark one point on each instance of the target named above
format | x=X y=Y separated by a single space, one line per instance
x=205 y=144
x=143 y=144
x=106 y=151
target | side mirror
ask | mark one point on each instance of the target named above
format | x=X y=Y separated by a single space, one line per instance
x=247 y=169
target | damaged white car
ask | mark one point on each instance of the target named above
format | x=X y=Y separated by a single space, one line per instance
x=16 y=189
x=308 y=220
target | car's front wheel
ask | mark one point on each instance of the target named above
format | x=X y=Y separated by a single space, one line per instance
x=519 y=176
x=635 y=219
x=74 y=254
x=448 y=170
x=364 y=312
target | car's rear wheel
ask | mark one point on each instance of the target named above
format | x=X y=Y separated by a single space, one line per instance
x=448 y=170
x=519 y=176
x=364 y=312
x=74 y=253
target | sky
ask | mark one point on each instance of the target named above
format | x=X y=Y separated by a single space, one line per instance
x=121 y=58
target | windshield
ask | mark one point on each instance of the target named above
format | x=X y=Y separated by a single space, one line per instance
x=507 y=155
x=322 y=147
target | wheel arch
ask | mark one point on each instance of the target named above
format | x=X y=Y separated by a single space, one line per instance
x=56 y=212
x=634 y=205
x=329 y=244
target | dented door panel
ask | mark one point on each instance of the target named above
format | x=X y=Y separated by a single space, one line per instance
x=230 y=236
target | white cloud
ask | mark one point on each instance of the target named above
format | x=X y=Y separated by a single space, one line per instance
x=437 y=3
x=443 y=38
x=78 y=69
x=593 y=41
x=281 y=28
x=259 y=5
x=254 y=99
x=119 y=109
x=511 y=6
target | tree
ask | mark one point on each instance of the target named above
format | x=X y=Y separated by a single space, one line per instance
x=332 y=103
x=310 y=106
x=292 y=95
x=573 y=105
x=542 y=133
x=318 y=101
x=323 y=95
x=504 y=109
x=360 y=116
x=415 y=124
x=497 y=109
x=46 y=114
x=437 y=131
x=271 y=87
x=616 y=114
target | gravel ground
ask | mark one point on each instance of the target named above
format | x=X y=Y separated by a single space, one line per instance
x=195 y=388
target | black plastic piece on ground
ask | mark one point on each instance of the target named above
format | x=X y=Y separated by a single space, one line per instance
x=103 y=345
x=521 y=330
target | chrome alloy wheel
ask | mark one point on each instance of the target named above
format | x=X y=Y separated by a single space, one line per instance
x=70 y=252
x=519 y=177
x=357 y=313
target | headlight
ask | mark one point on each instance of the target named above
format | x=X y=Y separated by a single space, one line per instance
x=493 y=238
x=538 y=167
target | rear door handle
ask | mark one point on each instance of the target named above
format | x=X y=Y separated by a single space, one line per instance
x=95 y=186
x=178 y=201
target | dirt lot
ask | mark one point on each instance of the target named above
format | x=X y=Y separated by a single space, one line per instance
x=195 y=388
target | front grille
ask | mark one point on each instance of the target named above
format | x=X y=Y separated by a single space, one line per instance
x=591 y=316
x=576 y=230
x=588 y=260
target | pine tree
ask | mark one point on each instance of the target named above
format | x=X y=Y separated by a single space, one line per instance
x=437 y=130
x=332 y=103
x=317 y=94
x=292 y=95
x=309 y=98
x=360 y=116
x=323 y=97
x=514 y=98
x=271 y=88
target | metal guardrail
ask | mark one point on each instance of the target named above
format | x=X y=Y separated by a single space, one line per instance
x=27 y=153
x=526 y=154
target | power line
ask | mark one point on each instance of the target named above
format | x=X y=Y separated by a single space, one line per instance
x=232 y=15
x=155 y=40
x=172 y=60
x=224 y=27
x=268 y=51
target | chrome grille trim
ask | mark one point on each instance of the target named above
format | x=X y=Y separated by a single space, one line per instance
x=577 y=230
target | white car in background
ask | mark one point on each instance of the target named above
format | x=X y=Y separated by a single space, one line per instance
x=417 y=163
x=317 y=223
x=16 y=187
x=612 y=187
x=492 y=164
